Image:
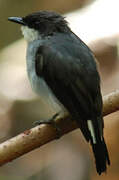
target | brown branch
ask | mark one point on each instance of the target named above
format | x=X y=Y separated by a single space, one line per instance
x=111 y=103
x=40 y=135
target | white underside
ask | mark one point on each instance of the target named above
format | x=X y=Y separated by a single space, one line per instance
x=37 y=83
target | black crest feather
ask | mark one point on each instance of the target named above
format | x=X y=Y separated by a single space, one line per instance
x=46 y=22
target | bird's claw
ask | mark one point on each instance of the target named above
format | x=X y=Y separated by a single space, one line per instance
x=51 y=121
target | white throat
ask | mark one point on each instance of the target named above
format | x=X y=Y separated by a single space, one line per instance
x=29 y=34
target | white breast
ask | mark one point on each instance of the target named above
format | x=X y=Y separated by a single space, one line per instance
x=37 y=83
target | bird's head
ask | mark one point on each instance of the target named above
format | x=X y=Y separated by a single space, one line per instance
x=42 y=23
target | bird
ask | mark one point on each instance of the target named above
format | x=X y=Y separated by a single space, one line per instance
x=61 y=64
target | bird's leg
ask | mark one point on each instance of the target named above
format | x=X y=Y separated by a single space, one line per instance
x=52 y=122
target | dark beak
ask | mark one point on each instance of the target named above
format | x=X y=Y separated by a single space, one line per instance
x=18 y=20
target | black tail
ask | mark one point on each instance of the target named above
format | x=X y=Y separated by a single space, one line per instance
x=101 y=156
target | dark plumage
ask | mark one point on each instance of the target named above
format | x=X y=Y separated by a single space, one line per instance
x=46 y=22
x=69 y=69
x=72 y=75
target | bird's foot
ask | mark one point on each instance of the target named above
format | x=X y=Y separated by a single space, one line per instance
x=52 y=122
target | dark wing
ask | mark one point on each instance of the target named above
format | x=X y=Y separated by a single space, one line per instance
x=73 y=78
x=70 y=72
